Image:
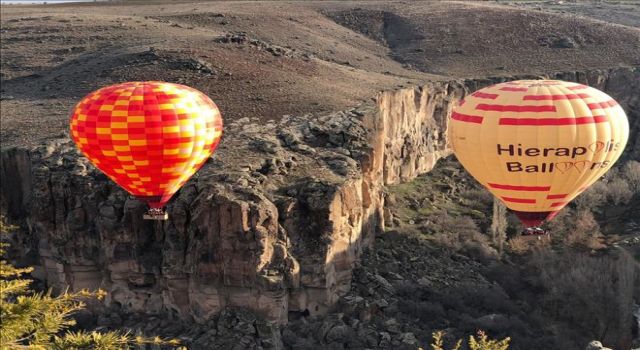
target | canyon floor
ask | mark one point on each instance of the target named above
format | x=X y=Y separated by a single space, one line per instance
x=268 y=62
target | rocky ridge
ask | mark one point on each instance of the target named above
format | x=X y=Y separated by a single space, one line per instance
x=274 y=222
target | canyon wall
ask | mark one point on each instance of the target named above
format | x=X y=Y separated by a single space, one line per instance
x=274 y=222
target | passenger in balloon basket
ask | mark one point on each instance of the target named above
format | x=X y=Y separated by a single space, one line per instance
x=535 y=231
x=156 y=214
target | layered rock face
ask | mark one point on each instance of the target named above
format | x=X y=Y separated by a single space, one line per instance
x=273 y=222
x=414 y=124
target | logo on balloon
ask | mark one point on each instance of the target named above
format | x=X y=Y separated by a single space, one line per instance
x=518 y=150
x=581 y=165
x=564 y=166
x=596 y=146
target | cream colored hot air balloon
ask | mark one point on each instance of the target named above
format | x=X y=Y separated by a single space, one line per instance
x=537 y=144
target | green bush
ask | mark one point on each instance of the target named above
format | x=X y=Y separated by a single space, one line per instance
x=482 y=342
x=33 y=320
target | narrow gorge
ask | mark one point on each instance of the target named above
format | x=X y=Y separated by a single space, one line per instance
x=274 y=222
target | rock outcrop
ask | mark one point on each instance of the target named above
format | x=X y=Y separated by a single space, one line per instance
x=273 y=222
x=414 y=124
x=596 y=345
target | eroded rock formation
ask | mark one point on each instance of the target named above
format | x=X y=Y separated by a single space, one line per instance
x=273 y=222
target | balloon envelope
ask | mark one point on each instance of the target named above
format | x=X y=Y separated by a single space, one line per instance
x=537 y=144
x=148 y=137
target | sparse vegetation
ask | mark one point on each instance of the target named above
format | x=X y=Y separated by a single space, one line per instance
x=610 y=198
x=619 y=192
x=631 y=171
x=594 y=293
x=571 y=282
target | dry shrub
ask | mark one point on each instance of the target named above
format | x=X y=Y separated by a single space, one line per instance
x=618 y=188
x=594 y=293
x=592 y=197
x=586 y=233
x=463 y=234
x=481 y=251
x=561 y=223
x=524 y=244
x=619 y=192
x=478 y=197
x=576 y=229
x=454 y=232
x=631 y=172
x=518 y=245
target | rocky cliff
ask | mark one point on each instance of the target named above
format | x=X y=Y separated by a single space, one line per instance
x=273 y=222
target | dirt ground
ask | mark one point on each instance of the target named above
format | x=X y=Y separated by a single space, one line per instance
x=623 y=12
x=267 y=59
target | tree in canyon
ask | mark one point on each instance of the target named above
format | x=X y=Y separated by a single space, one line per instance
x=40 y=320
x=499 y=225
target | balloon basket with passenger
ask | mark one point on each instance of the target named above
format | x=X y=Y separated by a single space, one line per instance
x=534 y=232
x=157 y=214
x=156 y=205
x=533 y=222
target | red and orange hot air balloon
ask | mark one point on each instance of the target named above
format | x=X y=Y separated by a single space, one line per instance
x=148 y=137
x=537 y=144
